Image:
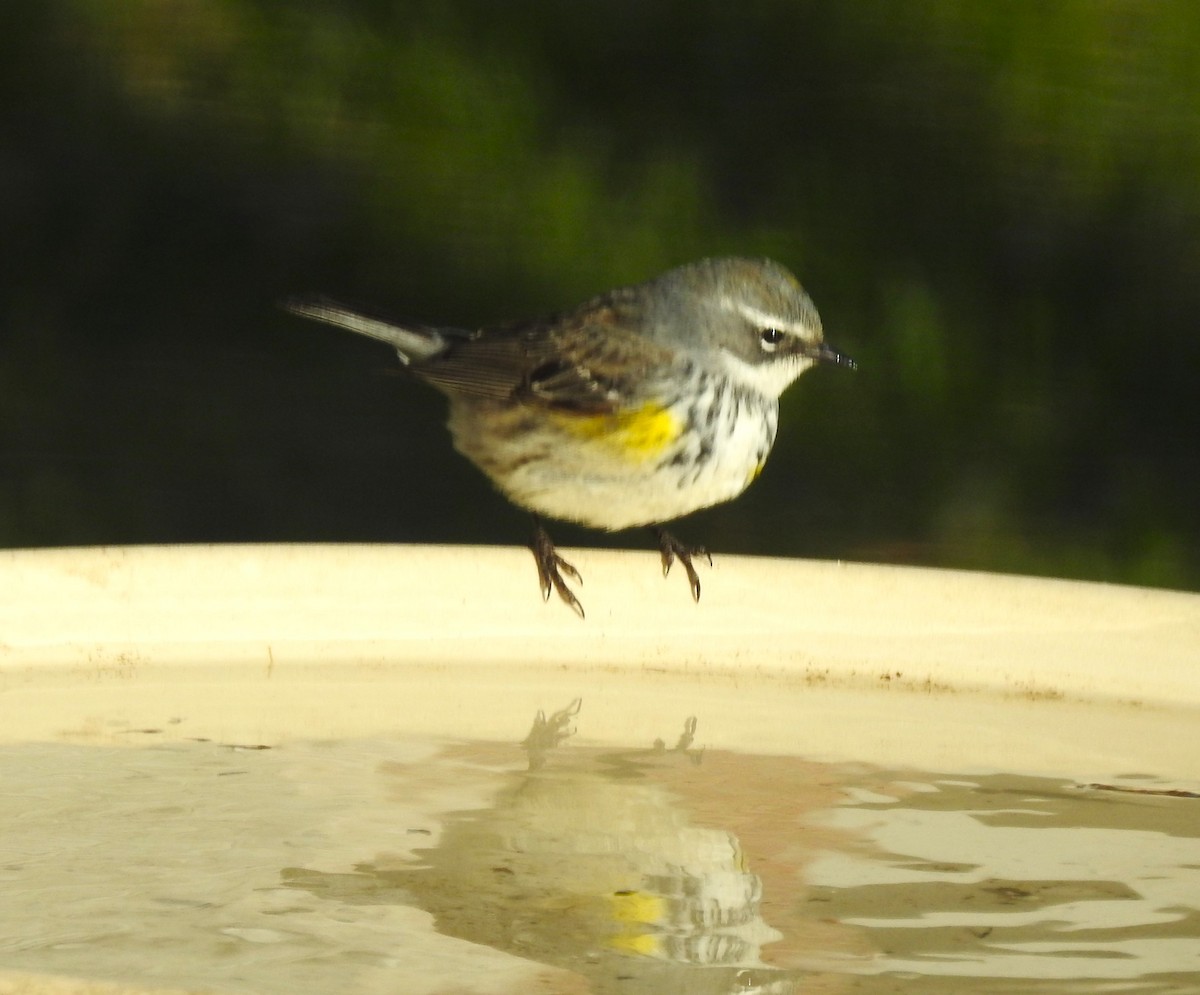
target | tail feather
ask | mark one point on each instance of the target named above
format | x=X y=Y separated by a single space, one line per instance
x=412 y=342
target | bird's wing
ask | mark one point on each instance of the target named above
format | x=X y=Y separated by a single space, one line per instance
x=483 y=364
x=584 y=361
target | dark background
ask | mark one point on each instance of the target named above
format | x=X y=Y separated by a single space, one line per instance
x=994 y=205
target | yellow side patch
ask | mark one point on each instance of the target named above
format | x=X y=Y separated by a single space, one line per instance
x=639 y=434
x=638 y=907
x=637 y=912
x=643 y=944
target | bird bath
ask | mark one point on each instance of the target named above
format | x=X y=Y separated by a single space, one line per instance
x=389 y=769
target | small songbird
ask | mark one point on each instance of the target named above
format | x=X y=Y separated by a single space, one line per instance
x=637 y=407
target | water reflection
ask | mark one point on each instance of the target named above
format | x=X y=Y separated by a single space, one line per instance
x=586 y=862
x=406 y=865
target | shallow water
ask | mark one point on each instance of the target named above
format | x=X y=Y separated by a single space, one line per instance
x=393 y=865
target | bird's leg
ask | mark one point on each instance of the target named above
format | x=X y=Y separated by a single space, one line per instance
x=672 y=549
x=551 y=567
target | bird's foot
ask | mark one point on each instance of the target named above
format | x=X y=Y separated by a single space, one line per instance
x=672 y=549
x=551 y=567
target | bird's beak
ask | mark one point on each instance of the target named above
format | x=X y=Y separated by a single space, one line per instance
x=824 y=353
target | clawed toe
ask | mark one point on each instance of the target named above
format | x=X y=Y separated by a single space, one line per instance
x=672 y=549
x=554 y=571
x=551 y=567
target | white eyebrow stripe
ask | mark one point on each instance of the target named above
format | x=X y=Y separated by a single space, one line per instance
x=763 y=319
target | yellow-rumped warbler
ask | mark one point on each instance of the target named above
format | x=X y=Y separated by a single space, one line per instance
x=639 y=406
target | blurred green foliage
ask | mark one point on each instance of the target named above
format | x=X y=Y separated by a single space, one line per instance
x=995 y=206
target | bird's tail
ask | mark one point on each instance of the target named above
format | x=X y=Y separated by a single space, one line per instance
x=412 y=342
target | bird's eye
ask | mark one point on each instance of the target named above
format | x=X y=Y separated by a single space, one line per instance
x=770 y=338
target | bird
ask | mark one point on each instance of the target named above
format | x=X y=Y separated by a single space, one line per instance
x=635 y=408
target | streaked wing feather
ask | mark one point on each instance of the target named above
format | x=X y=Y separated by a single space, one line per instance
x=481 y=365
x=579 y=361
x=598 y=358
